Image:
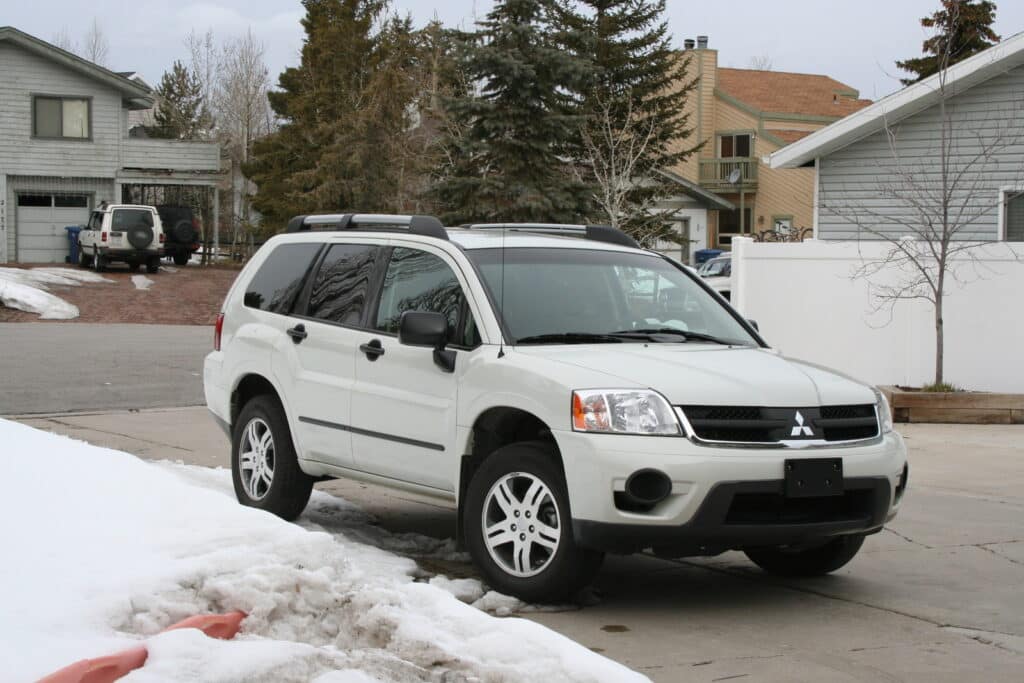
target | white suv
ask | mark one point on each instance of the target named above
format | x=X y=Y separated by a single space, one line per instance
x=571 y=393
x=122 y=232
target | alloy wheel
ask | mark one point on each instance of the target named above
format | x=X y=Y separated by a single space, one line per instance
x=256 y=459
x=521 y=524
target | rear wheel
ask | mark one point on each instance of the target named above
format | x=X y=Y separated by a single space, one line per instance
x=133 y=266
x=153 y=265
x=518 y=526
x=807 y=560
x=264 y=468
x=99 y=261
x=181 y=258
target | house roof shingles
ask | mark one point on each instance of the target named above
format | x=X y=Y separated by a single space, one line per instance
x=790 y=93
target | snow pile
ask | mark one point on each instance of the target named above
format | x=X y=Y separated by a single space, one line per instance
x=141 y=282
x=25 y=289
x=102 y=549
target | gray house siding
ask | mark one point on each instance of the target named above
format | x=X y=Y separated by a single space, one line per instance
x=854 y=181
x=24 y=74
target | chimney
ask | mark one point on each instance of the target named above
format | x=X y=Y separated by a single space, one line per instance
x=702 y=42
x=688 y=44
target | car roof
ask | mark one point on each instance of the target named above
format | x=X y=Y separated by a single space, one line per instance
x=110 y=207
x=465 y=238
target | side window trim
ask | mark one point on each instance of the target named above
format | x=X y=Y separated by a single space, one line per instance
x=369 y=321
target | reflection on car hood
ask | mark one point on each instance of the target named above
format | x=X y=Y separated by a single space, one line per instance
x=704 y=374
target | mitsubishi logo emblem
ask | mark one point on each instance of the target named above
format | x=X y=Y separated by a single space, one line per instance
x=800 y=429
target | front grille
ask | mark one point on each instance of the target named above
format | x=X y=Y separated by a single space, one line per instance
x=775 y=508
x=761 y=425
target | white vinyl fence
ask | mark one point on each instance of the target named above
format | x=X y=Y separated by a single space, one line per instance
x=808 y=307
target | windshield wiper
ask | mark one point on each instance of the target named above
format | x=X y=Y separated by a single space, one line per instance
x=571 y=338
x=652 y=332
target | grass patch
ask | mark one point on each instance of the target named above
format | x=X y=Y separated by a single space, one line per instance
x=941 y=387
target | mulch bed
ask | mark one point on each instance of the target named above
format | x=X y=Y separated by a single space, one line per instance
x=191 y=295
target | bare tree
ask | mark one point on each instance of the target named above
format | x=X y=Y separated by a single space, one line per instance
x=95 y=47
x=760 y=63
x=934 y=203
x=64 y=41
x=611 y=155
x=243 y=115
x=204 y=61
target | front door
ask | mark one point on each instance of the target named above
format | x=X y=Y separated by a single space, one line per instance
x=403 y=404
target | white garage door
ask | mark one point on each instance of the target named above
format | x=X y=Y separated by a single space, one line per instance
x=41 y=220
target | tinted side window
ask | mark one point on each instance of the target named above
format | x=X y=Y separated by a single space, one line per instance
x=418 y=281
x=280 y=278
x=339 y=289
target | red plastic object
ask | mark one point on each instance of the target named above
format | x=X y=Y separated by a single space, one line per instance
x=101 y=669
x=223 y=626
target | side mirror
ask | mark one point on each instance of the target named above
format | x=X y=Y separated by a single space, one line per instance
x=427 y=328
x=753 y=323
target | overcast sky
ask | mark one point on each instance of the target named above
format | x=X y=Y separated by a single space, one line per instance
x=854 y=42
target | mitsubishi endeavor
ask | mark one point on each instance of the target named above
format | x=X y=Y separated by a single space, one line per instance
x=568 y=392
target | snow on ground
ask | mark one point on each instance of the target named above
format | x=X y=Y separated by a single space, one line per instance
x=141 y=282
x=25 y=289
x=103 y=550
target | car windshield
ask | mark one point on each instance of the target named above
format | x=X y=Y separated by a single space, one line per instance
x=599 y=296
x=714 y=268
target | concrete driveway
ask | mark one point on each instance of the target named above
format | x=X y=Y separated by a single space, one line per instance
x=51 y=367
x=938 y=597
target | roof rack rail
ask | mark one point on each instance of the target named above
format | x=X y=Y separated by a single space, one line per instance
x=597 y=233
x=427 y=226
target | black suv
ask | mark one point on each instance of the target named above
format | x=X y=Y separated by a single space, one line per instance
x=182 y=230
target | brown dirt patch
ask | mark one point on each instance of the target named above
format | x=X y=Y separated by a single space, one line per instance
x=191 y=295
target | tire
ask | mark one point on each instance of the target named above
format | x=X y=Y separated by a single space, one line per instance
x=814 y=561
x=133 y=266
x=543 y=574
x=140 y=236
x=153 y=265
x=181 y=258
x=183 y=232
x=99 y=261
x=84 y=260
x=289 y=487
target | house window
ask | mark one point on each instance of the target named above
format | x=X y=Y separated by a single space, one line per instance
x=734 y=145
x=729 y=224
x=61 y=117
x=1013 y=216
x=782 y=224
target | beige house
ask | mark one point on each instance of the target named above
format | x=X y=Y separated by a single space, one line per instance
x=743 y=115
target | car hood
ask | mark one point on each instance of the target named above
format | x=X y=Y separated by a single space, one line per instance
x=704 y=374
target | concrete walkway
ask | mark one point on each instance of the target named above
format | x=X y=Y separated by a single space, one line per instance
x=938 y=597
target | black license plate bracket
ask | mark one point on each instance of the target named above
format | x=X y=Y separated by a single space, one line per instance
x=814 y=477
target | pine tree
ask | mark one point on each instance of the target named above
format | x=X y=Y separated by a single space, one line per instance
x=509 y=145
x=962 y=28
x=634 y=102
x=344 y=112
x=181 y=113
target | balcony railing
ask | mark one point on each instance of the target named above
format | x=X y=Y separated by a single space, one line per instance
x=717 y=173
x=174 y=155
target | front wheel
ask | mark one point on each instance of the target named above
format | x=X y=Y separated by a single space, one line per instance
x=813 y=560
x=264 y=467
x=84 y=260
x=518 y=526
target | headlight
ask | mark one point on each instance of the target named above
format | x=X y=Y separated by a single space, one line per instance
x=623 y=411
x=884 y=412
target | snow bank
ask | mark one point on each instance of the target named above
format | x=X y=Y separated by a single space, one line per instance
x=141 y=282
x=24 y=289
x=102 y=549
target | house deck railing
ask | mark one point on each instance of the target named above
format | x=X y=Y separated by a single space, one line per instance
x=716 y=173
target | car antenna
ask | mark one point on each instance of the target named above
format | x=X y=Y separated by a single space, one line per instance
x=501 y=299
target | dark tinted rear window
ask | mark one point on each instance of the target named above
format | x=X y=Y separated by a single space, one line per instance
x=280 y=277
x=126 y=219
x=339 y=289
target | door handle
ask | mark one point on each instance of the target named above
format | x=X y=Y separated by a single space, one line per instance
x=297 y=333
x=373 y=349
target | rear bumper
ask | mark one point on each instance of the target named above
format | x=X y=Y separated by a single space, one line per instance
x=129 y=254
x=746 y=514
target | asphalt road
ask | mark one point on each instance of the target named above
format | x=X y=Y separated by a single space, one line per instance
x=57 y=367
x=935 y=597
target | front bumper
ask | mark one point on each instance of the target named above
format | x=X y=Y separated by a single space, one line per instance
x=721 y=498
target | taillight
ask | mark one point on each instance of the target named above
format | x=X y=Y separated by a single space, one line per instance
x=103 y=237
x=162 y=238
x=195 y=224
x=217 y=329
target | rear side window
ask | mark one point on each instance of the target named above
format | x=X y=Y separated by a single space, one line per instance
x=96 y=221
x=418 y=281
x=126 y=219
x=339 y=289
x=280 y=278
